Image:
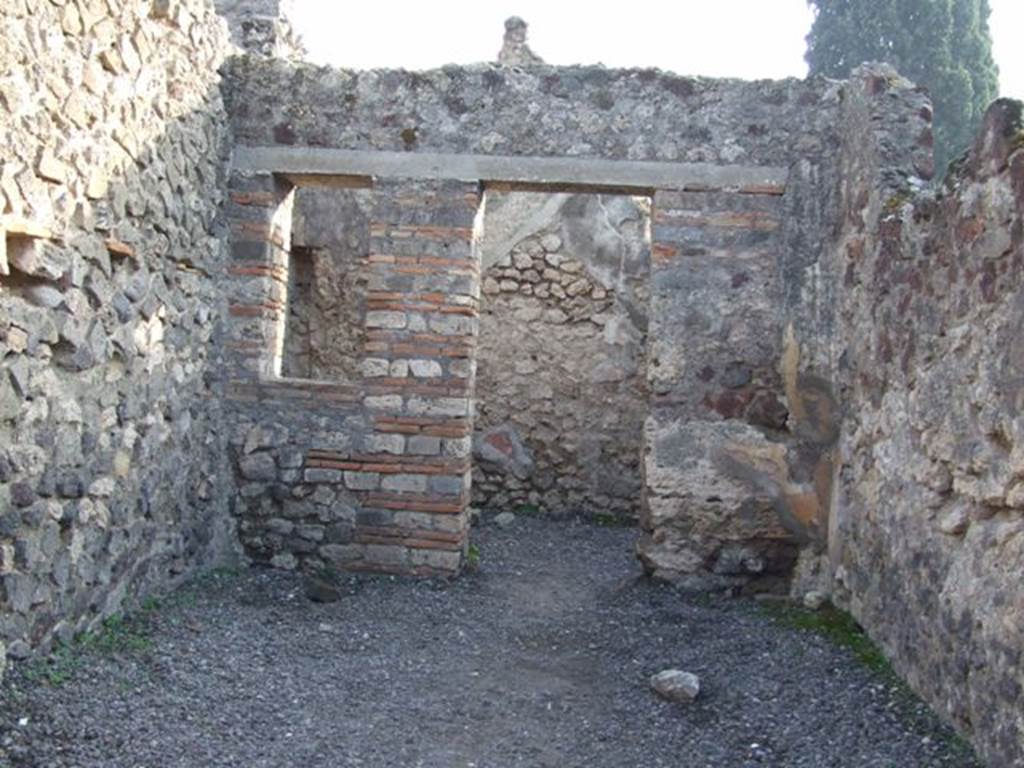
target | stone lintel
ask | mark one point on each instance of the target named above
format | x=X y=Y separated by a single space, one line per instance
x=304 y=164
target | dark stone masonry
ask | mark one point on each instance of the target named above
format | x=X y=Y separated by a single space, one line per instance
x=315 y=319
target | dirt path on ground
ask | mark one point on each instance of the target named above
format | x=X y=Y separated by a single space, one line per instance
x=540 y=660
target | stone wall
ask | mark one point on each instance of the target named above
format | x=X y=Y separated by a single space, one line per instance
x=112 y=464
x=927 y=541
x=370 y=474
x=262 y=27
x=561 y=366
x=750 y=495
x=543 y=111
x=718 y=494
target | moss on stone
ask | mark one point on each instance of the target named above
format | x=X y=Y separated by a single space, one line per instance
x=837 y=626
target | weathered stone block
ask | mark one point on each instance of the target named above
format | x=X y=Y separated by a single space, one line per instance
x=375 y=368
x=425 y=368
x=423 y=445
x=386 y=319
x=391 y=403
x=385 y=443
x=340 y=555
x=438 y=406
x=719 y=499
x=450 y=486
x=385 y=554
x=436 y=559
x=362 y=481
x=322 y=475
x=258 y=466
x=404 y=483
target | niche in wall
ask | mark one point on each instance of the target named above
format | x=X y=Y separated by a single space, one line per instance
x=324 y=333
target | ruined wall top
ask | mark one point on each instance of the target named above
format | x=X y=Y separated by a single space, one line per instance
x=514 y=50
x=546 y=111
x=262 y=27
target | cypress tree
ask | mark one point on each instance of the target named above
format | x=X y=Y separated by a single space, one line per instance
x=943 y=45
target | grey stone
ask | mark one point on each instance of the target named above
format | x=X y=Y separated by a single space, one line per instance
x=286 y=561
x=423 y=445
x=44 y=296
x=258 y=466
x=451 y=486
x=737 y=375
x=504 y=520
x=814 y=600
x=519 y=169
x=403 y=483
x=362 y=481
x=502 y=447
x=676 y=686
x=955 y=522
x=321 y=589
x=514 y=50
x=22 y=495
x=319 y=475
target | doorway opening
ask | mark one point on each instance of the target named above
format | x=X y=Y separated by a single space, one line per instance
x=561 y=391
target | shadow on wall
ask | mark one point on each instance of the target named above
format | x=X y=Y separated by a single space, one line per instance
x=113 y=480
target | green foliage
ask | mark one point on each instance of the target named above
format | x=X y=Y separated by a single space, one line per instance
x=608 y=520
x=473 y=557
x=116 y=635
x=123 y=634
x=59 y=667
x=841 y=629
x=837 y=626
x=944 y=45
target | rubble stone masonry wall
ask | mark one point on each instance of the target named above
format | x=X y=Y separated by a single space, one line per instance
x=927 y=540
x=113 y=144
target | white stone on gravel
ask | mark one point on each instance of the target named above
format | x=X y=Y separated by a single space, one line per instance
x=505 y=520
x=676 y=685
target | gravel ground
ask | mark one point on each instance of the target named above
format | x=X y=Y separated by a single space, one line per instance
x=540 y=658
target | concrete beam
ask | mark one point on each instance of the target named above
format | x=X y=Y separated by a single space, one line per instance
x=304 y=164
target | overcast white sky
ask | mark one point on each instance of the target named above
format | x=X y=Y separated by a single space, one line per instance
x=718 y=38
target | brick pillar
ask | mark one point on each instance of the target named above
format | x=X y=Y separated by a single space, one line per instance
x=422 y=306
x=259 y=213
